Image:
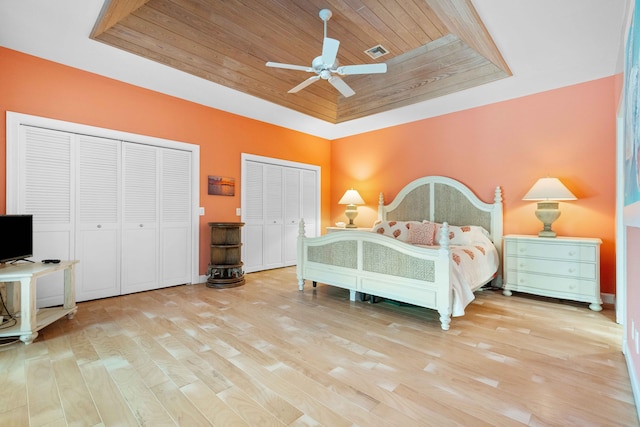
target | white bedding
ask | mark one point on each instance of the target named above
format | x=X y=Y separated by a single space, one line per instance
x=474 y=266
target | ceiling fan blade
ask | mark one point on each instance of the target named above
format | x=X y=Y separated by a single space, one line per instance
x=342 y=87
x=362 y=69
x=304 y=84
x=329 y=51
x=289 y=66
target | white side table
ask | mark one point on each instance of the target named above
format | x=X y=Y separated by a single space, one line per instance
x=333 y=229
x=24 y=276
x=561 y=267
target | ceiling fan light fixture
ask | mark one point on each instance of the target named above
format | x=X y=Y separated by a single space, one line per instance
x=377 y=51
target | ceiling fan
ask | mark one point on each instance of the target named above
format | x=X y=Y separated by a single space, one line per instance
x=326 y=65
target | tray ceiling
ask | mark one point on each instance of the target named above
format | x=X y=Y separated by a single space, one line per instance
x=436 y=47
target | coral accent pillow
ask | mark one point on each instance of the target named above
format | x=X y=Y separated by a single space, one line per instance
x=421 y=233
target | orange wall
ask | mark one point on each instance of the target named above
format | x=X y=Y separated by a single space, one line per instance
x=38 y=87
x=568 y=133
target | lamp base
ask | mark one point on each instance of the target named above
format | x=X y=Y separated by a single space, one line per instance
x=351 y=212
x=547 y=233
x=547 y=212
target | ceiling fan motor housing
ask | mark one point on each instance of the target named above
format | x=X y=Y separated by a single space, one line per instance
x=319 y=66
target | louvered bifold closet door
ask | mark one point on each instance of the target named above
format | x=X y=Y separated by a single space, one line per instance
x=46 y=181
x=253 y=215
x=140 y=218
x=310 y=202
x=292 y=214
x=98 y=218
x=175 y=218
x=274 y=216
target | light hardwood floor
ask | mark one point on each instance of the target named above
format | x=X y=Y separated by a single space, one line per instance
x=266 y=354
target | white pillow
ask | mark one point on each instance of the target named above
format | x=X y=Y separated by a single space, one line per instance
x=466 y=235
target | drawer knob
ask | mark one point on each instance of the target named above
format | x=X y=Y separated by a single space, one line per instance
x=572 y=253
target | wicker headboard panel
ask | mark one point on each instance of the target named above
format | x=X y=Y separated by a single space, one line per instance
x=415 y=206
x=454 y=207
x=440 y=199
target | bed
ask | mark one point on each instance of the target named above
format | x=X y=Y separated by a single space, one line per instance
x=376 y=264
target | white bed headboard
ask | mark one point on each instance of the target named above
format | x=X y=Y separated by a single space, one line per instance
x=441 y=199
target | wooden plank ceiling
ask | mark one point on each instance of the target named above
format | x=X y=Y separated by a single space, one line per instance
x=436 y=47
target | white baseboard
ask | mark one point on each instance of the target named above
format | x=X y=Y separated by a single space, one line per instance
x=608 y=298
x=633 y=378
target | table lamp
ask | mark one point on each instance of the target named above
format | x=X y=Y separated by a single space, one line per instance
x=548 y=192
x=351 y=198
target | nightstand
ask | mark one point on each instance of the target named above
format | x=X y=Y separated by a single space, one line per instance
x=332 y=229
x=561 y=267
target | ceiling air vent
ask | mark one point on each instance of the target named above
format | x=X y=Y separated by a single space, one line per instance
x=376 y=51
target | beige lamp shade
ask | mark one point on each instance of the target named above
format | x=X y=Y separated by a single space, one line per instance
x=548 y=191
x=351 y=198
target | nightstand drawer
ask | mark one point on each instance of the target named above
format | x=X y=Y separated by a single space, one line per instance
x=553 y=268
x=561 y=288
x=565 y=251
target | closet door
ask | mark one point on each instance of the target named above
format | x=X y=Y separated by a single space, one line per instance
x=253 y=216
x=175 y=217
x=292 y=213
x=310 y=201
x=275 y=195
x=45 y=191
x=274 y=216
x=98 y=218
x=140 y=218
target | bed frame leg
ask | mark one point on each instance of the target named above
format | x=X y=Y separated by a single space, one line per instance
x=352 y=295
x=301 y=284
x=315 y=284
x=445 y=320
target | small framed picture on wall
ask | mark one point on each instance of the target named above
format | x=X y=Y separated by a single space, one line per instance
x=221 y=186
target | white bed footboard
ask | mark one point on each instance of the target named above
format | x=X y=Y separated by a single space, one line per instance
x=369 y=263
